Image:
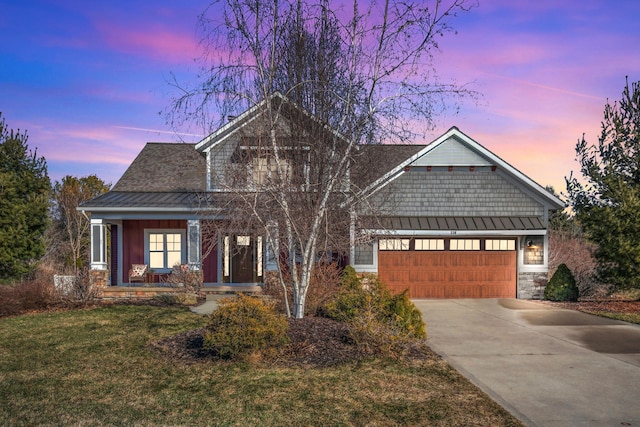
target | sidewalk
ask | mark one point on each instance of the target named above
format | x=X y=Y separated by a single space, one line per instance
x=211 y=304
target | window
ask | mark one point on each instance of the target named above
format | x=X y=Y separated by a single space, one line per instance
x=464 y=244
x=500 y=245
x=165 y=249
x=243 y=240
x=364 y=254
x=429 y=244
x=265 y=170
x=394 y=244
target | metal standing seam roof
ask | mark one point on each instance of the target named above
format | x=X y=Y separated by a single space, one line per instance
x=161 y=200
x=457 y=223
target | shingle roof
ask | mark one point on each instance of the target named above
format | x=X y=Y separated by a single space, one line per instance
x=165 y=167
x=373 y=161
x=173 y=175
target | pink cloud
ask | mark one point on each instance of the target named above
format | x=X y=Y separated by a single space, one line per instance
x=156 y=43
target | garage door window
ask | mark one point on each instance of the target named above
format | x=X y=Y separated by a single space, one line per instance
x=429 y=244
x=500 y=245
x=464 y=244
x=394 y=244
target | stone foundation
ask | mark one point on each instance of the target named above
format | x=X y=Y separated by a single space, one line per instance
x=532 y=285
x=137 y=292
x=100 y=280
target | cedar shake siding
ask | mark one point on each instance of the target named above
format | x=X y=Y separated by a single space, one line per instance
x=459 y=193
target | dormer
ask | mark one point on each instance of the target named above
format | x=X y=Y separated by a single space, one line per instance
x=242 y=155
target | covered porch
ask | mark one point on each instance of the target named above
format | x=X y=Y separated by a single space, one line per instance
x=144 y=253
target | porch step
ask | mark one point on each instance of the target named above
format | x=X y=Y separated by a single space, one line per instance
x=222 y=291
x=135 y=292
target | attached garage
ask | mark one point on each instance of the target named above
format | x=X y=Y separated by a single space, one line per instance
x=454 y=220
x=449 y=268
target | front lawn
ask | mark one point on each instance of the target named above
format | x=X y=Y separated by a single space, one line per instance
x=96 y=367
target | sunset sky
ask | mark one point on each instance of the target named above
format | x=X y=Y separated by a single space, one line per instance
x=88 y=80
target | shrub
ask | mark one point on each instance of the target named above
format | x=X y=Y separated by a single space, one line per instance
x=375 y=335
x=244 y=326
x=182 y=277
x=26 y=296
x=562 y=286
x=366 y=298
x=325 y=281
x=578 y=254
x=406 y=315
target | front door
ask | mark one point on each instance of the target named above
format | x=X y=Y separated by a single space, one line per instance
x=242 y=261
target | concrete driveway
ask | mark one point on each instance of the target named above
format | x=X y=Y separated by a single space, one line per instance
x=547 y=366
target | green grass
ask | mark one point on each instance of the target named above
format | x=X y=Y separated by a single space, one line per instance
x=94 y=368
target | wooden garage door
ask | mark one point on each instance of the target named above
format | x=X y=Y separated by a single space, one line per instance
x=450 y=274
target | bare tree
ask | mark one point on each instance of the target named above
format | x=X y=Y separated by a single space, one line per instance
x=322 y=81
x=72 y=224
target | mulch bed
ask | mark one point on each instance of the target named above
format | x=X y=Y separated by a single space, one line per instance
x=322 y=342
x=314 y=342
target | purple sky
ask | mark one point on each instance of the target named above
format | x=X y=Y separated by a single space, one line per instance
x=88 y=79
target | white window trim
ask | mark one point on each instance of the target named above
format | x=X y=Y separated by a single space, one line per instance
x=369 y=268
x=183 y=245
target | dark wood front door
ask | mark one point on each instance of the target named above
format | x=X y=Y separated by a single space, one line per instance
x=243 y=265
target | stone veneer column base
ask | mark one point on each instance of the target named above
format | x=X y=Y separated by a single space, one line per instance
x=532 y=285
x=99 y=279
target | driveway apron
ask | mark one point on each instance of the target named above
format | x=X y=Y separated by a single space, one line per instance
x=547 y=366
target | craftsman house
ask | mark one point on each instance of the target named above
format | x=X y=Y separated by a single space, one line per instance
x=462 y=222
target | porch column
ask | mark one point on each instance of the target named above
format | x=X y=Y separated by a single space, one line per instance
x=194 y=245
x=352 y=237
x=98 y=244
x=272 y=245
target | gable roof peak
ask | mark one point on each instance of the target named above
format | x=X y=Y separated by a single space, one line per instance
x=478 y=152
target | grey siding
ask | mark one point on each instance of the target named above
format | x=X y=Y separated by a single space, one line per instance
x=456 y=193
x=219 y=162
x=451 y=153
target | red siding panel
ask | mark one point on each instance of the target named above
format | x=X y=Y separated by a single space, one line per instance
x=133 y=239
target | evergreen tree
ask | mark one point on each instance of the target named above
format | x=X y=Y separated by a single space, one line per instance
x=24 y=204
x=607 y=201
x=562 y=286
